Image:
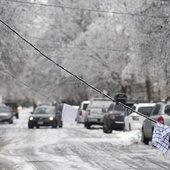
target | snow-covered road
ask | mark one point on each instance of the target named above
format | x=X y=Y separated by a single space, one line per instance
x=74 y=148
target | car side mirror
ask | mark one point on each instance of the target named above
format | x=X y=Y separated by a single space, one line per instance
x=31 y=112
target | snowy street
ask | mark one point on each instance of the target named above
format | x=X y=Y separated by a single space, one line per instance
x=74 y=147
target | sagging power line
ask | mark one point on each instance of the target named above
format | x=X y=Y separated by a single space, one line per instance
x=77 y=77
x=86 y=9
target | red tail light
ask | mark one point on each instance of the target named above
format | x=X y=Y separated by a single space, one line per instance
x=88 y=112
x=161 y=120
x=111 y=114
x=80 y=112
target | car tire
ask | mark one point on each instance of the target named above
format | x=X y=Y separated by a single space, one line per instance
x=30 y=126
x=87 y=125
x=10 y=121
x=61 y=124
x=106 y=127
x=144 y=139
x=54 y=125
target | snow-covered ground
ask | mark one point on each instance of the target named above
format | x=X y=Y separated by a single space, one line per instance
x=74 y=148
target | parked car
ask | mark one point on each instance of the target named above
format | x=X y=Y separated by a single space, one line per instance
x=95 y=111
x=14 y=107
x=6 y=114
x=45 y=115
x=160 y=113
x=114 y=118
x=133 y=120
x=82 y=111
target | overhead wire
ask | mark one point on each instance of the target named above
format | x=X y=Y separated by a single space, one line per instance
x=66 y=70
x=52 y=61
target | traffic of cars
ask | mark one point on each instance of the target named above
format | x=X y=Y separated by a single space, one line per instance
x=108 y=114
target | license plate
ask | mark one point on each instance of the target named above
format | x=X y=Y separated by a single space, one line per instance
x=40 y=122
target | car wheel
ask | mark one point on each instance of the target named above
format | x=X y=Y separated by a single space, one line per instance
x=61 y=124
x=37 y=126
x=54 y=125
x=10 y=121
x=106 y=127
x=30 y=126
x=144 y=139
x=87 y=125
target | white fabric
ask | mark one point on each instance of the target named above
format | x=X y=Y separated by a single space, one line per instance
x=160 y=137
x=69 y=113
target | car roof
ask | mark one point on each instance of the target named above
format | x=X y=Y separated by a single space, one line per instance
x=144 y=104
x=85 y=102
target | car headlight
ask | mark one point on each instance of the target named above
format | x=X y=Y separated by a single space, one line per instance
x=31 y=118
x=51 y=118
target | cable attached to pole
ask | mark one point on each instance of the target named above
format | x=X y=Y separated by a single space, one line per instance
x=77 y=77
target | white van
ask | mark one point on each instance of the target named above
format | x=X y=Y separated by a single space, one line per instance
x=82 y=110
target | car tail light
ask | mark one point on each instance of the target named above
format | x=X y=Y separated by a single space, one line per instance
x=80 y=112
x=111 y=114
x=160 y=119
x=88 y=112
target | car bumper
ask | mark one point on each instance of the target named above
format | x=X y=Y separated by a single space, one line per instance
x=95 y=121
x=117 y=124
x=80 y=120
x=41 y=123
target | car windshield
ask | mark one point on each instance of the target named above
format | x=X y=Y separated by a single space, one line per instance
x=145 y=110
x=85 y=106
x=4 y=109
x=44 y=110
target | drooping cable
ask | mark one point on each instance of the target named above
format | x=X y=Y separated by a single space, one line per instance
x=58 y=65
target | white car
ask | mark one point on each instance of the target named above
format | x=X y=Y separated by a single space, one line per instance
x=82 y=110
x=133 y=120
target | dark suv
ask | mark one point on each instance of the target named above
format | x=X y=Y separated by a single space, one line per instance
x=45 y=115
x=114 y=118
x=14 y=107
